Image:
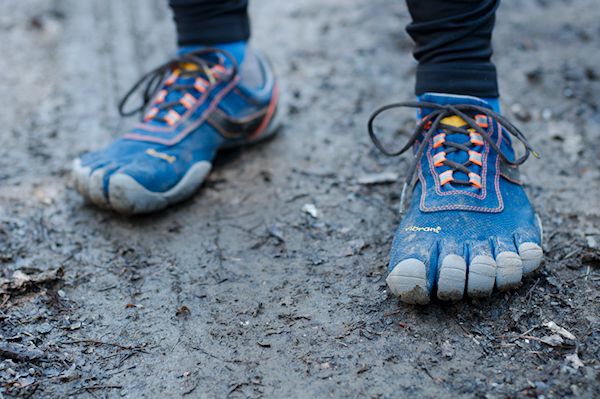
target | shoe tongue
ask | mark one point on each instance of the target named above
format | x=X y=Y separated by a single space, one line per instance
x=188 y=67
x=445 y=99
x=174 y=95
x=455 y=121
x=185 y=74
x=212 y=56
x=456 y=156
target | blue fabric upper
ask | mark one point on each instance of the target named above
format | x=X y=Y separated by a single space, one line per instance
x=190 y=140
x=236 y=49
x=464 y=220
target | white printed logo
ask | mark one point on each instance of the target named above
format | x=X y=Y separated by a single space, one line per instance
x=435 y=230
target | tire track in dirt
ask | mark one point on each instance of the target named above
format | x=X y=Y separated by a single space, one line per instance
x=281 y=302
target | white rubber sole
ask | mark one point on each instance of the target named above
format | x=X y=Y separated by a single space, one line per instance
x=531 y=255
x=81 y=176
x=127 y=196
x=452 y=278
x=408 y=280
x=509 y=270
x=482 y=276
x=96 y=189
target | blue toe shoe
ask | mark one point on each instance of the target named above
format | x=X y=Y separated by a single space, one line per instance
x=469 y=226
x=193 y=106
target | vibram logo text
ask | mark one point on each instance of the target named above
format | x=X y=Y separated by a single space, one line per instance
x=435 y=230
x=161 y=155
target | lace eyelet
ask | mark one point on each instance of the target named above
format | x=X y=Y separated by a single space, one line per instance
x=172 y=117
x=439 y=158
x=200 y=85
x=188 y=100
x=475 y=179
x=150 y=114
x=475 y=157
x=438 y=140
x=160 y=97
x=172 y=78
x=446 y=177
x=476 y=138
x=482 y=121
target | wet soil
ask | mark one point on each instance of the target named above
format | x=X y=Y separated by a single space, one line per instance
x=239 y=292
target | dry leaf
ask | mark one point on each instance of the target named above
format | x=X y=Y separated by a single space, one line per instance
x=574 y=360
x=311 y=209
x=552 y=326
x=552 y=340
x=20 y=281
x=182 y=311
x=378 y=178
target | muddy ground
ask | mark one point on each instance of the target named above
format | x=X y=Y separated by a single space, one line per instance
x=238 y=292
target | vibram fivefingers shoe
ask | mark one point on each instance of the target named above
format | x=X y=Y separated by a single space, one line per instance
x=194 y=106
x=469 y=226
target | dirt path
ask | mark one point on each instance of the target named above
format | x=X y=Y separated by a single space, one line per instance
x=238 y=292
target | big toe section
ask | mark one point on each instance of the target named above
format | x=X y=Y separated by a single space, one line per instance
x=509 y=270
x=452 y=277
x=531 y=255
x=127 y=195
x=482 y=276
x=408 y=281
x=81 y=175
x=96 y=191
x=472 y=269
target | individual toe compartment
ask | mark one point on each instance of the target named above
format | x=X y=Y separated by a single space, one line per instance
x=481 y=275
x=88 y=172
x=452 y=271
x=98 y=184
x=408 y=281
x=509 y=267
x=130 y=196
x=531 y=255
x=411 y=277
x=528 y=242
x=81 y=176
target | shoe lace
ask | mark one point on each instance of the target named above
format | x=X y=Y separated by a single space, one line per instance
x=175 y=86
x=431 y=126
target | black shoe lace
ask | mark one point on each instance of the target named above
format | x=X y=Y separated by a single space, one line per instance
x=166 y=75
x=432 y=123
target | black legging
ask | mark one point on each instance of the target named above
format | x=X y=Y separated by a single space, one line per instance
x=209 y=22
x=452 y=38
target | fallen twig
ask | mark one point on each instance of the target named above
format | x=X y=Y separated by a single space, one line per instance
x=20 y=352
x=98 y=343
x=20 y=281
x=95 y=387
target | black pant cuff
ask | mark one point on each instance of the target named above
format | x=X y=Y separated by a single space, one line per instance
x=224 y=29
x=479 y=80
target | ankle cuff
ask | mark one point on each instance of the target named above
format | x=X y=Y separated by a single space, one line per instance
x=479 y=80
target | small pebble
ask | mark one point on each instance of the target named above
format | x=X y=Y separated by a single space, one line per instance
x=520 y=112
x=568 y=93
x=44 y=328
x=546 y=114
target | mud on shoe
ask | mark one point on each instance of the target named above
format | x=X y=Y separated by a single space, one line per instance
x=469 y=227
x=193 y=106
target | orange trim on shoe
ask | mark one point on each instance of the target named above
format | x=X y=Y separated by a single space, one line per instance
x=269 y=115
